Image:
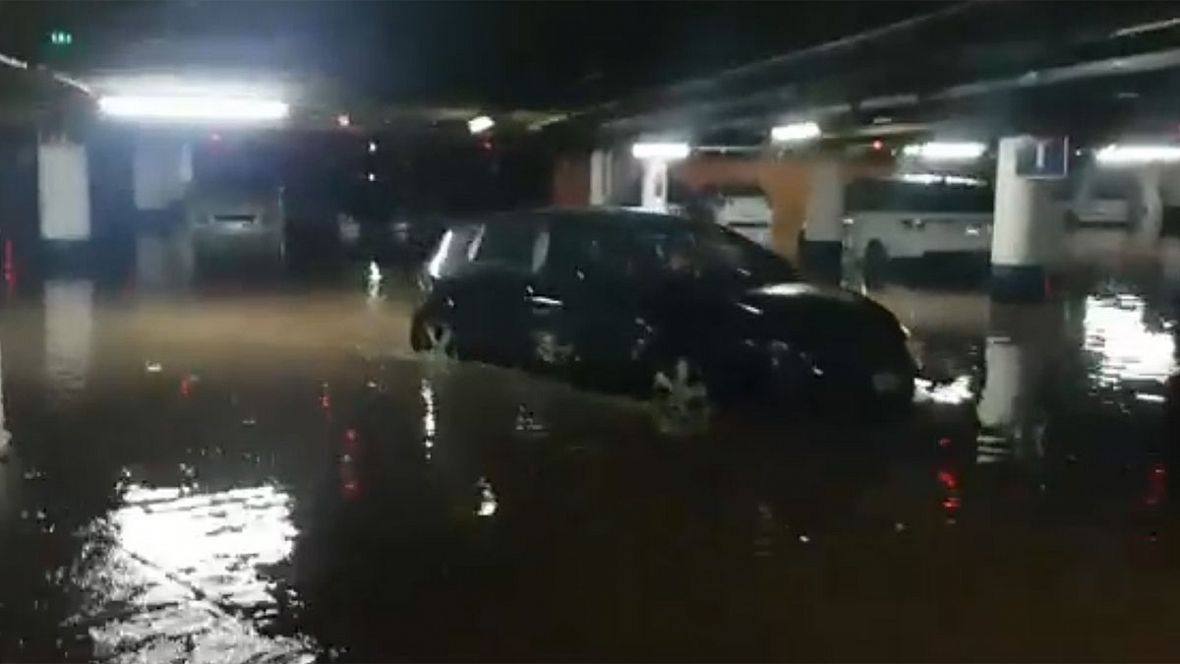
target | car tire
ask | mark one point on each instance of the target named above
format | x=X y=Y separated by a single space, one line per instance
x=435 y=339
x=681 y=395
x=875 y=265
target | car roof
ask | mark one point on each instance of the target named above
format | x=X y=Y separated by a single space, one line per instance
x=592 y=215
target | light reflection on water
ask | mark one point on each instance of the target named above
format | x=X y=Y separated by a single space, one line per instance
x=69 y=335
x=1127 y=350
x=175 y=574
x=429 y=417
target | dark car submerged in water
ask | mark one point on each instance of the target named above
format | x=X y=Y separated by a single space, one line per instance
x=683 y=312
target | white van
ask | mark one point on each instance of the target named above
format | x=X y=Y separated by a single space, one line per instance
x=1105 y=201
x=912 y=218
x=743 y=209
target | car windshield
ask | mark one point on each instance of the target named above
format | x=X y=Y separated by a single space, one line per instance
x=707 y=252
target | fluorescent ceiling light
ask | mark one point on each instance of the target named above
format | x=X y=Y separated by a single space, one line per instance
x=796 y=131
x=945 y=151
x=1137 y=154
x=13 y=62
x=939 y=178
x=662 y=151
x=193 y=108
x=480 y=123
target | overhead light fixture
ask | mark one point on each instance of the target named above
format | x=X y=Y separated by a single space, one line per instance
x=1115 y=154
x=795 y=132
x=660 y=151
x=193 y=108
x=945 y=151
x=372 y=147
x=480 y=124
x=343 y=120
x=940 y=178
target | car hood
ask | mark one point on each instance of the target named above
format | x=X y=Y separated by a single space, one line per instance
x=817 y=313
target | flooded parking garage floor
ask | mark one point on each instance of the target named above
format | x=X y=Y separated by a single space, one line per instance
x=255 y=478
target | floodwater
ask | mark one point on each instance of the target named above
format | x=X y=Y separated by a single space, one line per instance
x=273 y=477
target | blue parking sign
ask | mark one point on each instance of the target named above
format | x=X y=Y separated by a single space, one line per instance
x=1043 y=158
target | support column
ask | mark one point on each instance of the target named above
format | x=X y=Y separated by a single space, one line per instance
x=162 y=168
x=823 y=230
x=63 y=202
x=1148 y=219
x=63 y=188
x=161 y=171
x=601 y=178
x=1027 y=231
x=654 y=194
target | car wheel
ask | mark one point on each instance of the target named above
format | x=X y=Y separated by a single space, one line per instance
x=436 y=340
x=680 y=396
x=875 y=265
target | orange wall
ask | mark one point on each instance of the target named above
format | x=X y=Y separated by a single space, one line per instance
x=571 y=180
x=785 y=184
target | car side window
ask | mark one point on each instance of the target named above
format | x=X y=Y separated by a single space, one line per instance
x=584 y=253
x=451 y=254
x=509 y=245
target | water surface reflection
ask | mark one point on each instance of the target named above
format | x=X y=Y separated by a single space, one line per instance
x=218 y=489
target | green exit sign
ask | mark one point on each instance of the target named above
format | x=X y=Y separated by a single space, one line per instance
x=60 y=38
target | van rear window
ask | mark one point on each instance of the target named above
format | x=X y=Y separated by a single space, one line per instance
x=896 y=196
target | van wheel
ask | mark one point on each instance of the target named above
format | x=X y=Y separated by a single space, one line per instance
x=875 y=265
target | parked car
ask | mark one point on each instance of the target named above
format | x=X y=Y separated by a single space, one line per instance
x=682 y=311
x=235 y=223
x=914 y=219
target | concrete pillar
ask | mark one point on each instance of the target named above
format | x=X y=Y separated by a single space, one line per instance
x=1028 y=231
x=161 y=170
x=1148 y=215
x=601 y=177
x=823 y=230
x=63 y=188
x=654 y=192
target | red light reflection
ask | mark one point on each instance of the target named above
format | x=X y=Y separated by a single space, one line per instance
x=948 y=480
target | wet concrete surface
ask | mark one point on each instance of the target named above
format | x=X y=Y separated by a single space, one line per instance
x=273 y=477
